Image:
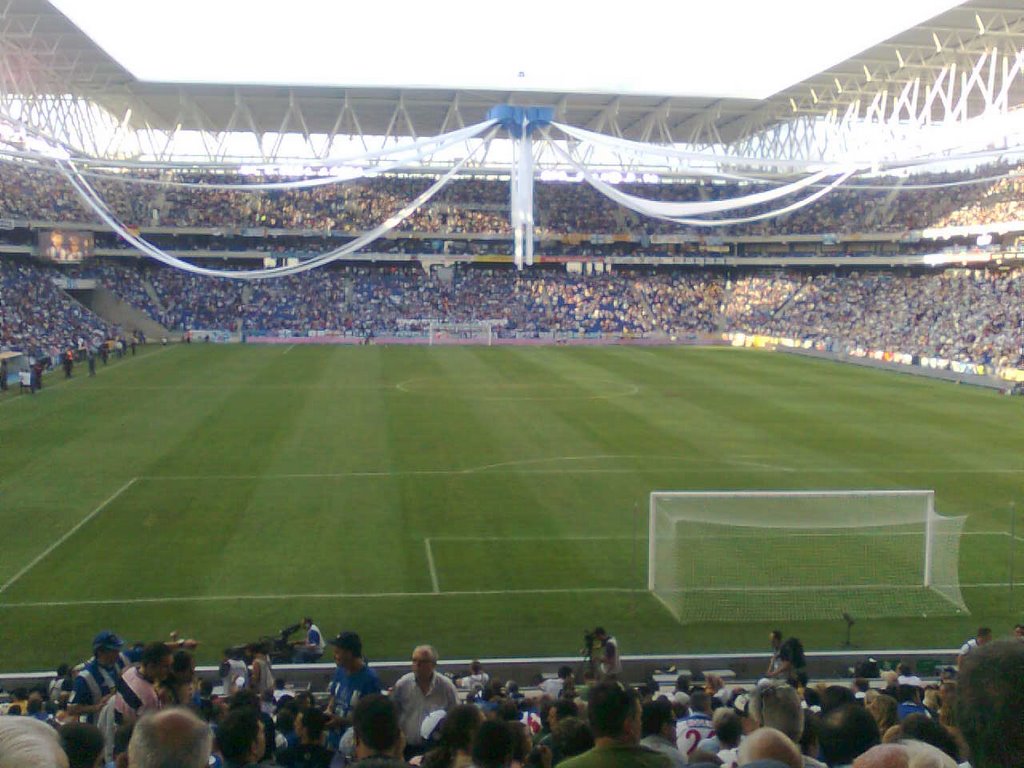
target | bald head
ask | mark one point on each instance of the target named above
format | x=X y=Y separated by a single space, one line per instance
x=170 y=737
x=770 y=744
x=907 y=754
x=29 y=743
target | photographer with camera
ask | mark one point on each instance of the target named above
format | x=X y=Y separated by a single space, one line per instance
x=602 y=652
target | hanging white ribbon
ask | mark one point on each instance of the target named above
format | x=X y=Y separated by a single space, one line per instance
x=95 y=202
x=421 y=148
x=638 y=204
x=640 y=148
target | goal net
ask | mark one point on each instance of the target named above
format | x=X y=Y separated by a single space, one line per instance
x=477 y=332
x=786 y=555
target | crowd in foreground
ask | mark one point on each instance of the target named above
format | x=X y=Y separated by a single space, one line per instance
x=145 y=708
x=959 y=314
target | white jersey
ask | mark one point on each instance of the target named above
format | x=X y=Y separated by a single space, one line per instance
x=969 y=646
x=690 y=730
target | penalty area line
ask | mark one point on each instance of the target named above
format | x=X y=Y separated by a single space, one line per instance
x=67 y=535
x=321 y=596
x=432 y=567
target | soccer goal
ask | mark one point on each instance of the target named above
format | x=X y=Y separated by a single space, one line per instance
x=478 y=332
x=787 y=555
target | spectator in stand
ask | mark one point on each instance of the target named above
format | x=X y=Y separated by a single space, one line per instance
x=95 y=684
x=419 y=693
x=909 y=697
x=696 y=726
x=240 y=738
x=310 y=752
x=458 y=731
x=770 y=744
x=905 y=754
x=553 y=686
x=990 y=700
x=378 y=736
x=777 y=705
x=83 y=744
x=847 y=733
x=883 y=708
x=353 y=679
x=137 y=692
x=477 y=679
x=572 y=736
x=27 y=743
x=172 y=737
x=615 y=718
x=261 y=672
x=981 y=638
x=658 y=730
x=919 y=727
x=180 y=687
x=493 y=745
x=559 y=710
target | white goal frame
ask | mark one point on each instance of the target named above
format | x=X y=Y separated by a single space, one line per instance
x=929 y=519
x=484 y=327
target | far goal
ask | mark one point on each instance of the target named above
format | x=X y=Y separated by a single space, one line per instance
x=788 y=555
x=480 y=332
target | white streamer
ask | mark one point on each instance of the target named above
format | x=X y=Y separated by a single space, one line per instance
x=422 y=147
x=96 y=203
x=638 y=204
x=637 y=147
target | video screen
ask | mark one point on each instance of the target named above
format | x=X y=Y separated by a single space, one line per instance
x=65 y=247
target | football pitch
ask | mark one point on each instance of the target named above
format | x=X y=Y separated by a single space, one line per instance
x=490 y=501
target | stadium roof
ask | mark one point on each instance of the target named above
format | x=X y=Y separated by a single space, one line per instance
x=43 y=53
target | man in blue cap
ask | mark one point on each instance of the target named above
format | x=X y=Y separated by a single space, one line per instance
x=97 y=681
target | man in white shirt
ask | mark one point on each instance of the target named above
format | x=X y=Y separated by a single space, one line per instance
x=983 y=637
x=419 y=693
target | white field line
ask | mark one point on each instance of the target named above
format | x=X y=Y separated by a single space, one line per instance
x=290 y=348
x=760 y=534
x=508 y=469
x=450 y=593
x=321 y=596
x=667 y=607
x=432 y=567
x=66 y=536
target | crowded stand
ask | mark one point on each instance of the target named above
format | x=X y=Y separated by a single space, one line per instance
x=958 y=314
x=38 y=318
x=964 y=315
x=480 y=206
x=149 y=705
x=969 y=315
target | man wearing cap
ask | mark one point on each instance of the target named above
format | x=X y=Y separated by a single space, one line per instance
x=353 y=678
x=97 y=681
x=419 y=693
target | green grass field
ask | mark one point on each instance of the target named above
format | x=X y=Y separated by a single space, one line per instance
x=457 y=496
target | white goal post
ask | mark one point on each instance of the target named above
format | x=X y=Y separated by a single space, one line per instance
x=788 y=555
x=474 y=332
